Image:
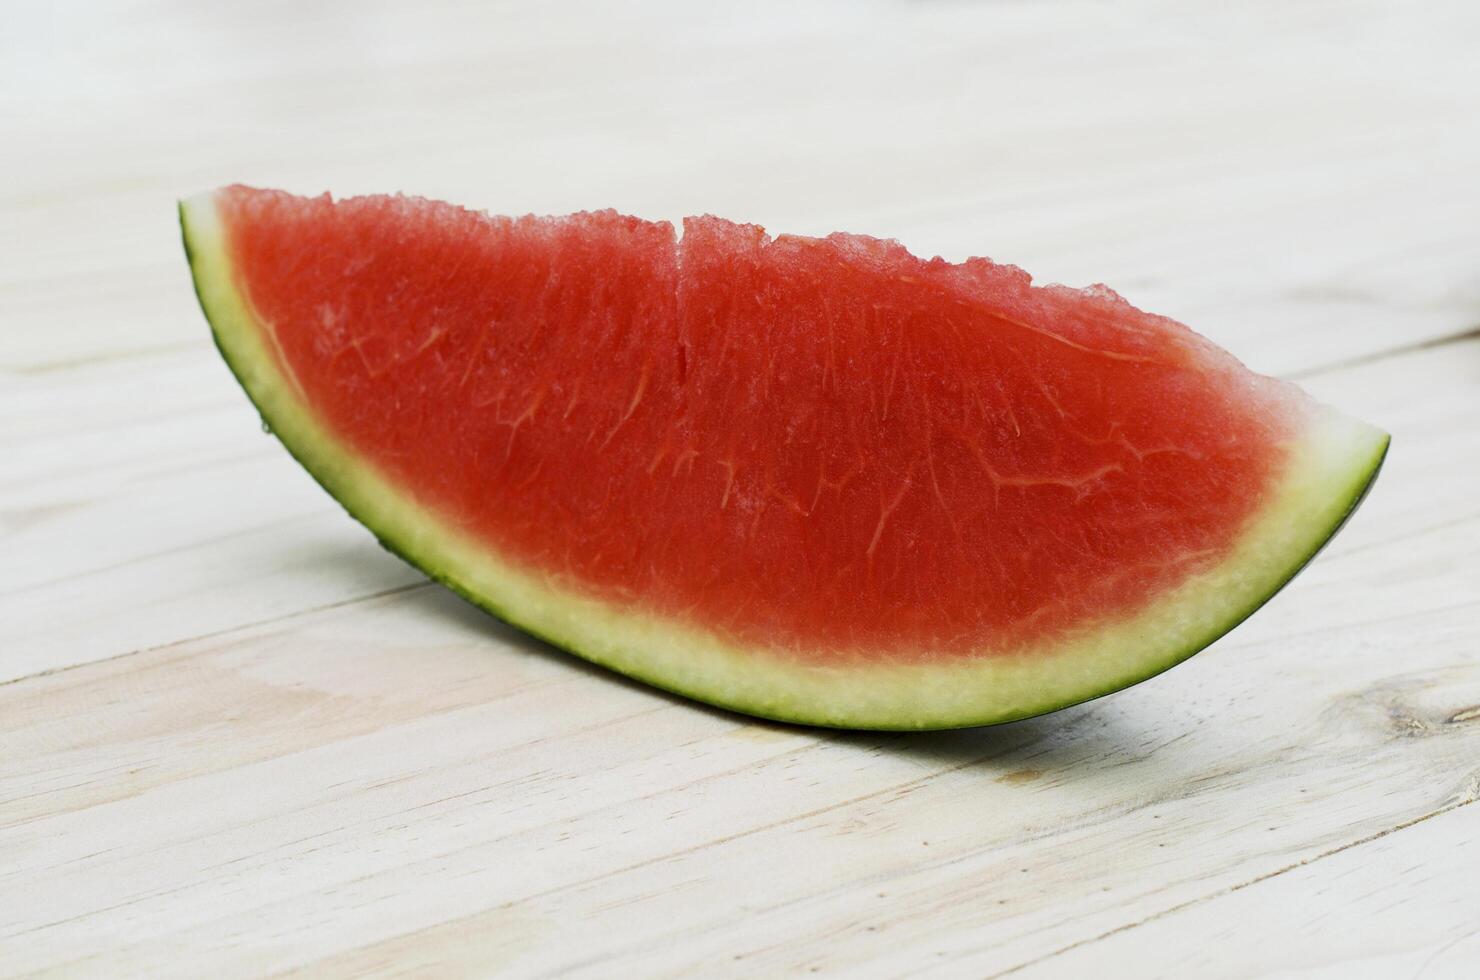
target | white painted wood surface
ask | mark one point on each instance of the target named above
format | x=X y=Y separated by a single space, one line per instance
x=236 y=738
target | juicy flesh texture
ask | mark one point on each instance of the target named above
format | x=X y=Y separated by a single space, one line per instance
x=826 y=448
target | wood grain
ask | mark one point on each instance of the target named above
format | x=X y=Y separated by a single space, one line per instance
x=237 y=738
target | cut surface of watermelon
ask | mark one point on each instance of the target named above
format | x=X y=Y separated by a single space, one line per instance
x=820 y=480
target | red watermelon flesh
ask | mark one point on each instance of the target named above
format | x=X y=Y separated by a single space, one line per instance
x=814 y=456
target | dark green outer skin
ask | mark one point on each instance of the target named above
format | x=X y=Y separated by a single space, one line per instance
x=512 y=618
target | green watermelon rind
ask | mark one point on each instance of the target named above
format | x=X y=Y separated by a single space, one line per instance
x=1332 y=467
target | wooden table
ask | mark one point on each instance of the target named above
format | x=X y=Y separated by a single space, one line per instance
x=237 y=738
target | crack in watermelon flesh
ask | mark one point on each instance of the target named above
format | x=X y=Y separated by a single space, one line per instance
x=820 y=457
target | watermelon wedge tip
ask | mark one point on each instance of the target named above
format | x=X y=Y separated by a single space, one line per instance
x=816 y=480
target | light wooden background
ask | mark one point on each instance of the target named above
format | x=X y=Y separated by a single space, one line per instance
x=236 y=738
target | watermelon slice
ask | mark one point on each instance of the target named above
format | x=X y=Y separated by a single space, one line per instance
x=818 y=480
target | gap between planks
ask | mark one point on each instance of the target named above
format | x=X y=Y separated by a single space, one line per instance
x=1376 y=356
x=227 y=631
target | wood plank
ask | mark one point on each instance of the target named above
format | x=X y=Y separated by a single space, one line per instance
x=1260 y=185
x=1399 y=905
x=136 y=517
x=404 y=782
